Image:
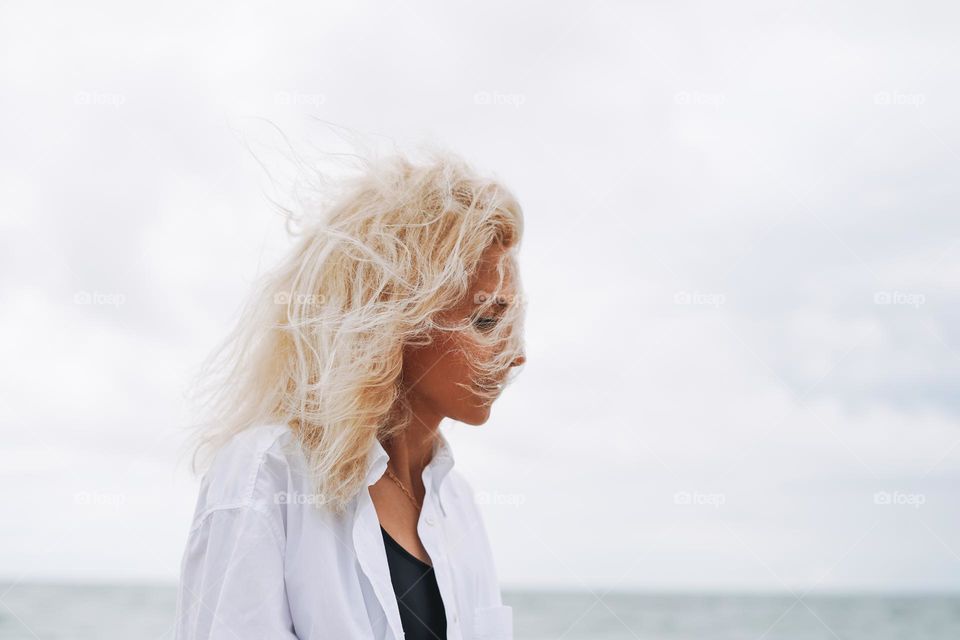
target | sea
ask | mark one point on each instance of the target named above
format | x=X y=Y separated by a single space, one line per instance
x=145 y=612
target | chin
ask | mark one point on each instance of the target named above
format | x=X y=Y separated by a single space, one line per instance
x=475 y=416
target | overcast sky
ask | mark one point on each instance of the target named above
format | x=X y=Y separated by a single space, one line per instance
x=741 y=259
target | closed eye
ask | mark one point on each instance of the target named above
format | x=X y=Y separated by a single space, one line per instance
x=485 y=323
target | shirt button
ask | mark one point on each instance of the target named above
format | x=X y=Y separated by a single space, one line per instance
x=431 y=521
x=456 y=618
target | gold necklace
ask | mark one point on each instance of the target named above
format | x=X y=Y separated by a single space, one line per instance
x=403 y=488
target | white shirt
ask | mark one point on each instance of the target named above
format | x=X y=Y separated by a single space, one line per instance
x=263 y=562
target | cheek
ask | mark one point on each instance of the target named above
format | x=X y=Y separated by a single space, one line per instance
x=453 y=367
x=442 y=376
x=453 y=387
x=437 y=370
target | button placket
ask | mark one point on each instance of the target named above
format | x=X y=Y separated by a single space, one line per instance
x=374 y=563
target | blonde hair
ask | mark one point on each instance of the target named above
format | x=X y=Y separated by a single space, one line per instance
x=319 y=345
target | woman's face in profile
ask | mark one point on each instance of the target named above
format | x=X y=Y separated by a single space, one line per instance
x=432 y=373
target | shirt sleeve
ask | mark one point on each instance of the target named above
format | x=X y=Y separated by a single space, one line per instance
x=232 y=579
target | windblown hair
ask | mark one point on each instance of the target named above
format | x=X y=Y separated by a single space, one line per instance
x=320 y=343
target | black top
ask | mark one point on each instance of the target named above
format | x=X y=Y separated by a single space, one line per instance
x=418 y=596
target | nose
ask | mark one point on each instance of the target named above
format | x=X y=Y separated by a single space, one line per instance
x=518 y=361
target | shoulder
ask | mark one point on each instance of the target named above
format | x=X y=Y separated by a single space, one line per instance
x=462 y=496
x=478 y=552
x=250 y=470
x=459 y=484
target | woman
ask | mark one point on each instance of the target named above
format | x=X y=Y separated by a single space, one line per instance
x=331 y=509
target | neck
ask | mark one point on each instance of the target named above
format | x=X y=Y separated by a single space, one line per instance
x=411 y=451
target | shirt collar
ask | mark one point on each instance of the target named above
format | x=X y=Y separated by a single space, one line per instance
x=434 y=473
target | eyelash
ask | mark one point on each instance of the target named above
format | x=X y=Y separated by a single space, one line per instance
x=485 y=323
